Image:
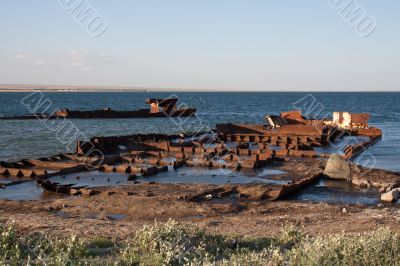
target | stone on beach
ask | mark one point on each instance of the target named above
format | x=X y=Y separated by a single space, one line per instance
x=337 y=168
x=89 y=192
x=359 y=182
x=390 y=196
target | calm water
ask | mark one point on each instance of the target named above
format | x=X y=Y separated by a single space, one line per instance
x=337 y=192
x=22 y=139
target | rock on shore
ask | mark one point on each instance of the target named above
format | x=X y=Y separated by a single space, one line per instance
x=390 y=196
x=337 y=168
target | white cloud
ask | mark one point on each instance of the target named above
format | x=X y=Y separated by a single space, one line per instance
x=22 y=56
x=74 y=59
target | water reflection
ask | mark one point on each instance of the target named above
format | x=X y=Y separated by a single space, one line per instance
x=337 y=192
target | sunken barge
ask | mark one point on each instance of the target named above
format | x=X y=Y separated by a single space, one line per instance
x=158 y=108
x=233 y=147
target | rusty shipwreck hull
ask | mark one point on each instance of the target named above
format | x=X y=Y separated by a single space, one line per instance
x=229 y=146
x=68 y=189
x=54 y=187
x=293 y=187
x=111 y=114
x=107 y=114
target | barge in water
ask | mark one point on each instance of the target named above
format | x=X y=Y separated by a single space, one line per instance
x=286 y=138
x=158 y=108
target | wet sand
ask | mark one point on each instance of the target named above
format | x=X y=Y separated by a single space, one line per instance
x=118 y=212
x=233 y=209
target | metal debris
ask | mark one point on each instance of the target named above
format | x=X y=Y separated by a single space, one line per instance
x=229 y=146
x=158 y=108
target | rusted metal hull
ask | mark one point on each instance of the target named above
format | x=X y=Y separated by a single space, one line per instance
x=291 y=188
x=108 y=114
x=354 y=150
x=230 y=146
x=54 y=187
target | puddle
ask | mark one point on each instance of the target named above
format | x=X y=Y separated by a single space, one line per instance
x=269 y=172
x=170 y=160
x=63 y=215
x=66 y=215
x=268 y=175
x=337 y=192
x=25 y=191
x=274 y=148
x=6 y=180
x=116 y=217
x=215 y=176
x=194 y=217
x=93 y=179
x=329 y=191
x=30 y=191
x=231 y=144
x=210 y=145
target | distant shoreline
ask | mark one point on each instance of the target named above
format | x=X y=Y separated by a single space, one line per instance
x=69 y=91
x=64 y=88
x=94 y=89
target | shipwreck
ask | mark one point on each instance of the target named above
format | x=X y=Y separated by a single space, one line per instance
x=158 y=108
x=234 y=147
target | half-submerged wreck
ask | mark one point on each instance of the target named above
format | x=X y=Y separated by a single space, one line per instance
x=158 y=108
x=284 y=138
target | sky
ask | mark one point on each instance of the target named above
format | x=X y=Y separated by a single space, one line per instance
x=243 y=45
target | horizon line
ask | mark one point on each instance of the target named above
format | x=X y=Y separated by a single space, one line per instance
x=105 y=88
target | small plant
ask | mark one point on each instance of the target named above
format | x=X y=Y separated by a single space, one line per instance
x=54 y=251
x=380 y=247
x=10 y=252
x=101 y=243
x=172 y=243
x=291 y=235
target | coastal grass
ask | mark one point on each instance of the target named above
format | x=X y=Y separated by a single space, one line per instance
x=172 y=243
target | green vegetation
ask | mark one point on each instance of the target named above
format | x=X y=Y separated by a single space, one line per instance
x=172 y=243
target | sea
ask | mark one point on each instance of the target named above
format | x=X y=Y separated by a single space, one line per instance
x=21 y=139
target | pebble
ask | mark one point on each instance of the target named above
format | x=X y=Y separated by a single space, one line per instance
x=208 y=197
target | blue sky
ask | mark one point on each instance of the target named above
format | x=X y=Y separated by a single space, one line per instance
x=204 y=44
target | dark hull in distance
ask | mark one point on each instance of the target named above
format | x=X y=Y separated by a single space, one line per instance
x=107 y=114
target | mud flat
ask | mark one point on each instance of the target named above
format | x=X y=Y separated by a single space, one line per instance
x=234 y=209
x=117 y=212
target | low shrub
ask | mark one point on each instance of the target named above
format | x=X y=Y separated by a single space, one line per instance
x=10 y=250
x=172 y=243
x=380 y=247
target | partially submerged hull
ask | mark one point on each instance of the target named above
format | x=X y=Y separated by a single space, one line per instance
x=50 y=186
x=107 y=114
